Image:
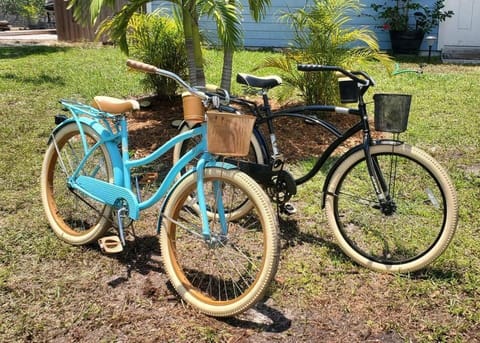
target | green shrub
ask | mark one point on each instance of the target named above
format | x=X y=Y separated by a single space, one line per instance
x=157 y=40
x=322 y=36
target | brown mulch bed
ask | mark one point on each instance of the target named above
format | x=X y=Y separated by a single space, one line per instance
x=152 y=126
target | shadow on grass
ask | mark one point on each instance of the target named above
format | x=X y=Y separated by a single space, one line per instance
x=138 y=257
x=432 y=273
x=401 y=58
x=293 y=236
x=24 y=51
x=37 y=80
x=277 y=320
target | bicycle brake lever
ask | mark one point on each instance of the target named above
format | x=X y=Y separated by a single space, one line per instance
x=215 y=101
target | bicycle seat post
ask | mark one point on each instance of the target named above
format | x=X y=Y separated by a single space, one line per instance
x=267 y=109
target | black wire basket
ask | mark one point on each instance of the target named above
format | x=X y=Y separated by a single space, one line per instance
x=391 y=112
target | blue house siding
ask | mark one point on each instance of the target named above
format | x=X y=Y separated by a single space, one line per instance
x=273 y=32
x=270 y=32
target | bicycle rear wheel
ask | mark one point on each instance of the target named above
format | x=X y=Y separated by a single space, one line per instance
x=74 y=217
x=415 y=227
x=228 y=273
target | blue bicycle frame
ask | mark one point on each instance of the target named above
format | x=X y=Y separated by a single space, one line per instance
x=112 y=130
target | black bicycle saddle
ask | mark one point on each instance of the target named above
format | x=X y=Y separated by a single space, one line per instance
x=265 y=82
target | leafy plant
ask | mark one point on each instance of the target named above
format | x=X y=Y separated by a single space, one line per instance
x=396 y=14
x=226 y=15
x=156 y=39
x=323 y=37
x=28 y=9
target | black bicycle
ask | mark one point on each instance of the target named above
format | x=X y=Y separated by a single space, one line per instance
x=391 y=206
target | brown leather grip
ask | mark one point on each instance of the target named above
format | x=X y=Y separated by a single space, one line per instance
x=147 y=68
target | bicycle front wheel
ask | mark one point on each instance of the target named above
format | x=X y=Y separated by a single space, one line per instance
x=255 y=155
x=74 y=217
x=226 y=273
x=409 y=231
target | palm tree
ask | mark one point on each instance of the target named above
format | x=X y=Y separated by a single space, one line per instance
x=322 y=36
x=226 y=14
x=258 y=10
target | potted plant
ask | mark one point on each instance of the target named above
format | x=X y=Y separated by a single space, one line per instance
x=408 y=21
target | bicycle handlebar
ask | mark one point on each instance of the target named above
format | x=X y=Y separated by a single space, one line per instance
x=148 y=68
x=351 y=74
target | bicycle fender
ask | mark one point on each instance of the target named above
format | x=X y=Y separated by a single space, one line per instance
x=347 y=155
x=212 y=164
x=263 y=145
x=104 y=134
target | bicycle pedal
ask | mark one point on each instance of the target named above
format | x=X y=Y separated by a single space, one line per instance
x=110 y=245
x=289 y=209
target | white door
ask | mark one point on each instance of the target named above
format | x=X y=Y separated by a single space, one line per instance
x=463 y=28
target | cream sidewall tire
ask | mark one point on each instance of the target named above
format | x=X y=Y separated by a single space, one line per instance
x=450 y=198
x=271 y=248
x=59 y=227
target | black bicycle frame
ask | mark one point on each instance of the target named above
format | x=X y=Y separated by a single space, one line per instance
x=340 y=137
x=264 y=173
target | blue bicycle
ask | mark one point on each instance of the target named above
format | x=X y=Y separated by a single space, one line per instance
x=219 y=262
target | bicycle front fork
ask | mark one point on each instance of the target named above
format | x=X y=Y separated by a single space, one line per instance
x=383 y=189
x=219 y=209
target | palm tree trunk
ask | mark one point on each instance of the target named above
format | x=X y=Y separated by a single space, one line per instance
x=193 y=45
x=188 y=34
x=197 y=48
x=227 y=68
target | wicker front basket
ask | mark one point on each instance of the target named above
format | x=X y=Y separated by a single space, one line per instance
x=229 y=134
x=193 y=109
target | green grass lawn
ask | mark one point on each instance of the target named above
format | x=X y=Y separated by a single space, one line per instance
x=50 y=291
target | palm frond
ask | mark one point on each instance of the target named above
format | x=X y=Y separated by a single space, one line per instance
x=116 y=27
x=322 y=35
x=258 y=8
x=227 y=18
x=85 y=11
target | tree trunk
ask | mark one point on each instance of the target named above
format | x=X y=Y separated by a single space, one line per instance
x=193 y=45
x=188 y=34
x=197 y=48
x=227 y=69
